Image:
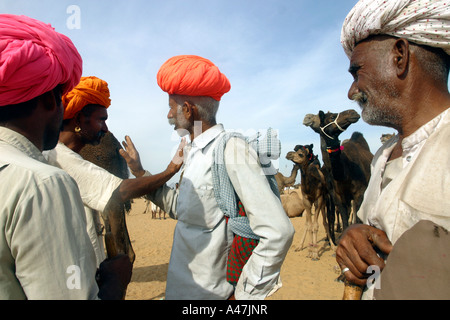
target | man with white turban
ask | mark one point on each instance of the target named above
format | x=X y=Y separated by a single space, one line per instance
x=399 y=58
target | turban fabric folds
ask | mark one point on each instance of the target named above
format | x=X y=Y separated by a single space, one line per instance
x=90 y=90
x=34 y=59
x=192 y=76
x=425 y=22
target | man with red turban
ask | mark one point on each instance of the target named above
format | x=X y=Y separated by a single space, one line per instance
x=205 y=229
x=84 y=124
x=45 y=252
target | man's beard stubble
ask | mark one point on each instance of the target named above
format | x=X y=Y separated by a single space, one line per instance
x=380 y=114
x=182 y=125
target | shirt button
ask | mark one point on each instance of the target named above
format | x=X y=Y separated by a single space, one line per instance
x=408 y=158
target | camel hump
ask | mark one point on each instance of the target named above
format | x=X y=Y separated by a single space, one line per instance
x=358 y=138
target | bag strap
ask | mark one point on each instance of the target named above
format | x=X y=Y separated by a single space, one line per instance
x=224 y=192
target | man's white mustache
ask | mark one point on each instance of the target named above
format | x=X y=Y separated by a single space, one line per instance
x=360 y=97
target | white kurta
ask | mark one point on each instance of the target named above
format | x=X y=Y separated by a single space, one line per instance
x=96 y=187
x=202 y=238
x=419 y=191
x=43 y=239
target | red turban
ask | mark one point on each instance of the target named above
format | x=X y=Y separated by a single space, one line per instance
x=34 y=59
x=90 y=90
x=192 y=76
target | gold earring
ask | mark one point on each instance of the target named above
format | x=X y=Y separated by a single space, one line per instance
x=77 y=129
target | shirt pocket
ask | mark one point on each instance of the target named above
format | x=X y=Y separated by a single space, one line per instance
x=198 y=207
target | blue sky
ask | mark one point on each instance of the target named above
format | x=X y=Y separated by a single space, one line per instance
x=282 y=57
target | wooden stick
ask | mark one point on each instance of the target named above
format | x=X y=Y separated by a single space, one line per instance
x=352 y=291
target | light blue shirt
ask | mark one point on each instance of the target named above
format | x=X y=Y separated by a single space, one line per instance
x=202 y=238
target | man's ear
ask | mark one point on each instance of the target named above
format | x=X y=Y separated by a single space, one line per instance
x=78 y=118
x=51 y=100
x=401 y=57
x=47 y=100
x=189 y=110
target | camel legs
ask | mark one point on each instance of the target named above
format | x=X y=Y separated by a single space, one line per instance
x=326 y=226
x=147 y=204
x=308 y=225
x=117 y=239
x=313 y=247
x=311 y=228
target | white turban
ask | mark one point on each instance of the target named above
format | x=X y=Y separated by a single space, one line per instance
x=425 y=22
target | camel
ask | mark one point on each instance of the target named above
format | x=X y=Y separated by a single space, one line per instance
x=154 y=209
x=284 y=182
x=106 y=155
x=347 y=167
x=386 y=137
x=313 y=187
x=293 y=203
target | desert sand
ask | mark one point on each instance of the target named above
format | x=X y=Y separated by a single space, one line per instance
x=303 y=279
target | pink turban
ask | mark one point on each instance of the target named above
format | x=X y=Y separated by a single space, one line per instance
x=423 y=22
x=90 y=90
x=34 y=59
x=192 y=76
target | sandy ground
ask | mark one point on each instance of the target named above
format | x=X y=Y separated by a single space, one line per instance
x=303 y=279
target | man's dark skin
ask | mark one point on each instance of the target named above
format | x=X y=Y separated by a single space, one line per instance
x=41 y=125
x=389 y=78
x=93 y=127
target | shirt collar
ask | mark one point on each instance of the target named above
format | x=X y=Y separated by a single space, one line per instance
x=21 y=143
x=424 y=132
x=206 y=137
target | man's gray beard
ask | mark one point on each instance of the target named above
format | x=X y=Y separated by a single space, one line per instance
x=377 y=115
x=183 y=127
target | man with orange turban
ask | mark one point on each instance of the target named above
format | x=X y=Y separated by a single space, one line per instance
x=205 y=229
x=84 y=123
x=45 y=252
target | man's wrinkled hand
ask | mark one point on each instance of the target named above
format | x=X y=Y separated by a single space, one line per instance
x=131 y=156
x=357 y=251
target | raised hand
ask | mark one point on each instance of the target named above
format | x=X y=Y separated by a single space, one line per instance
x=131 y=156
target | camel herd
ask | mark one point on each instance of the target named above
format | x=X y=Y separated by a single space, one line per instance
x=334 y=189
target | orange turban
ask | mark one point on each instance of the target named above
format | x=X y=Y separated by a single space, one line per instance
x=90 y=90
x=192 y=76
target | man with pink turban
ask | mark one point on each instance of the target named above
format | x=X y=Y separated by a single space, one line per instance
x=45 y=252
x=399 y=53
x=224 y=165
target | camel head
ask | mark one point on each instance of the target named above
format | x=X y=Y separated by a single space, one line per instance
x=333 y=124
x=313 y=121
x=301 y=155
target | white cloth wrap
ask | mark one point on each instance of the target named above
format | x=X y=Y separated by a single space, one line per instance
x=423 y=22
